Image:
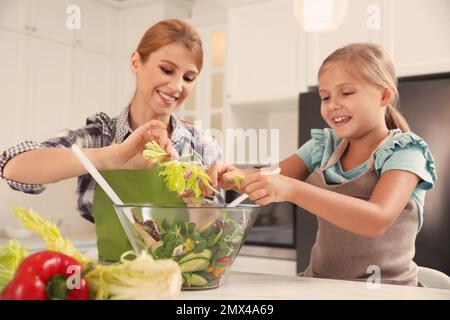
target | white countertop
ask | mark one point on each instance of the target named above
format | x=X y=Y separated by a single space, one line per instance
x=240 y=285
x=271 y=279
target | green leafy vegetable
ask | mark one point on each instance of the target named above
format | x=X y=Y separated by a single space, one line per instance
x=183 y=176
x=238 y=180
x=139 y=278
x=49 y=232
x=11 y=255
x=178 y=176
x=220 y=241
x=154 y=152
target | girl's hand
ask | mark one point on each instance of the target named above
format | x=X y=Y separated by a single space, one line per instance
x=264 y=189
x=128 y=154
x=222 y=175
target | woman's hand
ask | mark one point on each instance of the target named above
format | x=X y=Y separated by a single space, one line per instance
x=189 y=195
x=223 y=175
x=128 y=154
x=264 y=189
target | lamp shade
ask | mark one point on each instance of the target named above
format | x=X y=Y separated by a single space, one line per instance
x=320 y=15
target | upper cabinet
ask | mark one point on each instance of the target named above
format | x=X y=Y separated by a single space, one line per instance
x=416 y=34
x=47 y=18
x=271 y=58
x=353 y=29
x=265 y=51
x=51 y=20
x=13 y=81
x=97 y=25
x=14 y=14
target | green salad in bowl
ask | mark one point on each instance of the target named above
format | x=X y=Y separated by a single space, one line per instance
x=203 y=239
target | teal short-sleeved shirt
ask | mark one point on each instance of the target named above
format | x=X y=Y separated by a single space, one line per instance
x=404 y=151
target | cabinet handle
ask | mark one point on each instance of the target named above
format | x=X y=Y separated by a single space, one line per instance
x=33 y=29
x=27 y=27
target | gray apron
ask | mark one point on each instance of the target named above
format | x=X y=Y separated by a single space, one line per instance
x=340 y=254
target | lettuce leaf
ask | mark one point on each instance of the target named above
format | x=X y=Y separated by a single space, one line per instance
x=183 y=176
x=154 y=152
x=139 y=278
x=11 y=255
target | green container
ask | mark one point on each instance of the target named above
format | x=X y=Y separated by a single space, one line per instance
x=132 y=186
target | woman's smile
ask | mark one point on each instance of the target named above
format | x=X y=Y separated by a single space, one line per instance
x=167 y=99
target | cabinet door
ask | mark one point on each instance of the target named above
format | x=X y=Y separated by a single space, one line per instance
x=353 y=29
x=133 y=23
x=417 y=34
x=96 y=26
x=13 y=87
x=50 y=86
x=91 y=86
x=48 y=19
x=124 y=84
x=260 y=33
x=14 y=14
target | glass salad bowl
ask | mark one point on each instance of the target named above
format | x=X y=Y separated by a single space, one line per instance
x=203 y=239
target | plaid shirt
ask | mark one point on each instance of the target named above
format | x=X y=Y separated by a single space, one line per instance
x=101 y=131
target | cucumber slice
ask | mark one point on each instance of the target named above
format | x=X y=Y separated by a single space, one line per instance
x=198 y=264
x=205 y=254
x=198 y=281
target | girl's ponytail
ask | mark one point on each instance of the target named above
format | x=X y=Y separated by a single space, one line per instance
x=395 y=120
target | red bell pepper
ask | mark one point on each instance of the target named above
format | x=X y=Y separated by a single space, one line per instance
x=44 y=275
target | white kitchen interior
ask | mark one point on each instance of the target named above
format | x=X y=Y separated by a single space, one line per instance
x=257 y=60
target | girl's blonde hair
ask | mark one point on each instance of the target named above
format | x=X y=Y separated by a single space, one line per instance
x=374 y=66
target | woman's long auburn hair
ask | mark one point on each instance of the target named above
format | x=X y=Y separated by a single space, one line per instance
x=169 y=31
x=374 y=66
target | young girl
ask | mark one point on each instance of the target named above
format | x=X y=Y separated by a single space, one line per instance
x=364 y=177
x=166 y=63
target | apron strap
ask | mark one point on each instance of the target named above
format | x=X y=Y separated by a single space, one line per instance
x=342 y=146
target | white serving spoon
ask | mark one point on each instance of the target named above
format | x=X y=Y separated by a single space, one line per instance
x=89 y=166
x=244 y=196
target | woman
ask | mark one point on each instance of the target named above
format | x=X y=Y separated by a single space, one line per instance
x=166 y=63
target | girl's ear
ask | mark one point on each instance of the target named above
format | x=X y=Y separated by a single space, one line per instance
x=386 y=97
x=134 y=61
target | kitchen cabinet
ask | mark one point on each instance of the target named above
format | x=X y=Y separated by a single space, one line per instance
x=13 y=83
x=91 y=86
x=265 y=52
x=47 y=19
x=353 y=29
x=50 y=70
x=134 y=21
x=206 y=104
x=97 y=25
x=14 y=14
x=416 y=34
x=124 y=83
